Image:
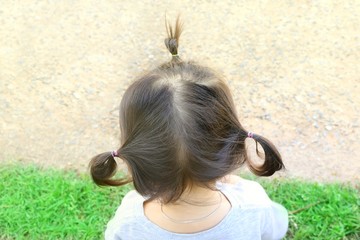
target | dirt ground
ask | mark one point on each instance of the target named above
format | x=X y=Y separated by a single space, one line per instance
x=293 y=68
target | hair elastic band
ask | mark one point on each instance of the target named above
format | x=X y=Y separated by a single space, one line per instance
x=114 y=154
x=250 y=135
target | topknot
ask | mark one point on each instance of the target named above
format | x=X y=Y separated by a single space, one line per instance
x=172 y=41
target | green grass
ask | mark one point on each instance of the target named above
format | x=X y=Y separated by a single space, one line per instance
x=53 y=204
x=318 y=211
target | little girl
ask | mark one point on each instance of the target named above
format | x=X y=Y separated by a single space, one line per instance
x=181 y=140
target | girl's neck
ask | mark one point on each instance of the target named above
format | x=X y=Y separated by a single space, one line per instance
x=197 y=209
x=198 y=196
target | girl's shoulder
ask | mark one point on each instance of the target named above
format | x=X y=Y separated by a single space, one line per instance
x=132 y=196
x=130 y=210
x=250 y=197
x=130 y=207
x=244 y=193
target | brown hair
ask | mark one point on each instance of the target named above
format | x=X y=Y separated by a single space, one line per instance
x=178 y=128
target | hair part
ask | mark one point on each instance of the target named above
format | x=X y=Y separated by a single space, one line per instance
x=179 y=128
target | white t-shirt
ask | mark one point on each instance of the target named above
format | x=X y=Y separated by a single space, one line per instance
x=252 y=216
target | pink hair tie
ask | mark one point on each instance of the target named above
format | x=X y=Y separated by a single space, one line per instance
x=114 y=154
x=250 y=135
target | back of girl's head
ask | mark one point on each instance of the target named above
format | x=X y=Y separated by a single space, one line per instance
x=179 y=128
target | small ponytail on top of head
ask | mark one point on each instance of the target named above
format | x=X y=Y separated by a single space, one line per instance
x=272 y=158
x=172 y=41
x=103 y=167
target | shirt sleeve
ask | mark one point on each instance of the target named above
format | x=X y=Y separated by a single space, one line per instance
x=114 y=224
x=276 y=222
x=274 y=217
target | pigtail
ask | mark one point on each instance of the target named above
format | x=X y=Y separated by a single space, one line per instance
x=102 y=168
x=271 y=156
x=172 y=41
